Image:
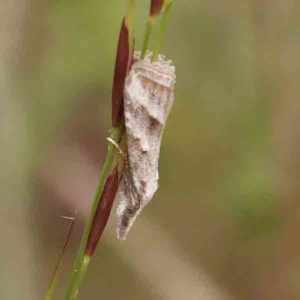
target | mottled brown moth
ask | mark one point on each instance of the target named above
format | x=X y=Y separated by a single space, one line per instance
x=148 y=98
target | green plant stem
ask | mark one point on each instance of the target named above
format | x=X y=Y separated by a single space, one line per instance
x=149 y=29
x=111 y=162
x=82 y=261
x=53 y=281
x=164 y=22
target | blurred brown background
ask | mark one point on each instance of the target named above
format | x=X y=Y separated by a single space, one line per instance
x=224 y=223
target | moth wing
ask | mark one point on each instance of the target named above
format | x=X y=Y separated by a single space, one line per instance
x=148 y=98
x=127 y=209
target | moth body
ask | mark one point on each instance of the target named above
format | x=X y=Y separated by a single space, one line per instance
x=148 y=98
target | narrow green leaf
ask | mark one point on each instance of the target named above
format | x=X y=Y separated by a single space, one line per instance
x=167 y=10
x=53 y=281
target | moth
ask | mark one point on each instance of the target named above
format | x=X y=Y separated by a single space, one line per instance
x=148 y=99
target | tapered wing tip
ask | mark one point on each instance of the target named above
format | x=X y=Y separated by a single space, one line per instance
x=121 y=234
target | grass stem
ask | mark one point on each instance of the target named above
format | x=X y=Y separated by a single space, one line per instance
x=82 y=260
x=167 y=10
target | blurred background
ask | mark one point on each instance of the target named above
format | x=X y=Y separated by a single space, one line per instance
x=224 y=222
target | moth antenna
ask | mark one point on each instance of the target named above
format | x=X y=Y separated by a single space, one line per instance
x=121 y=152
x=117 y=146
